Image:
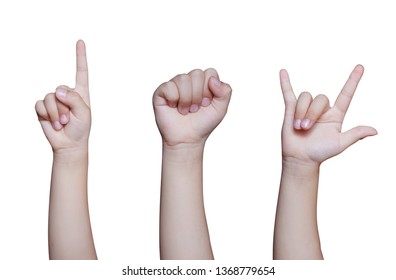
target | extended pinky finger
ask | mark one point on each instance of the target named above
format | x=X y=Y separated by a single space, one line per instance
x=319 y=106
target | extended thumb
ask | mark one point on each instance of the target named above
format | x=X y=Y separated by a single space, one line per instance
x=355 y=134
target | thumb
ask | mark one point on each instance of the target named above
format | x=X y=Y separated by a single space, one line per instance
x=221 y=92
x=73 y=100
x=355 y=134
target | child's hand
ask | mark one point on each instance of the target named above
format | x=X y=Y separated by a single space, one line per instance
x=311 y=130
x=190 y=106
x=65 y=115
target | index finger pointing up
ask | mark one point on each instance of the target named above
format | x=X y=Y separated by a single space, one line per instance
x=81 y=65
x=288 y=93
x=347 y=92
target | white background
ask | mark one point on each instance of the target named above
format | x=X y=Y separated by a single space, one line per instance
x=133 y=46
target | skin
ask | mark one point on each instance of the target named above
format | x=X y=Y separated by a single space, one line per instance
x=187 y=109
x=65 y=118
x=311 y=134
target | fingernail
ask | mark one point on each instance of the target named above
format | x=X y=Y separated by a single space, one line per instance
x=63 y=119
x=216 y=82
x=205 y=102
x=57 y=125
x=194 y=108
x=297 y=124
x=305 y=123
x=184 y=111
x=61 y=92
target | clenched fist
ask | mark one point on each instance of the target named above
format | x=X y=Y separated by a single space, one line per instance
x=190 y=106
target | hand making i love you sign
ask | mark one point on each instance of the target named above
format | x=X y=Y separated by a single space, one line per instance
x=312 y=129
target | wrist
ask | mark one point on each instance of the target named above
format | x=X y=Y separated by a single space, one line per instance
x=299 y=169
x=183 y=153
x=71 y=155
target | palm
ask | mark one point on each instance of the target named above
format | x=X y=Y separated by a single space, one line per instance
x=324 y=139
x=321 y=142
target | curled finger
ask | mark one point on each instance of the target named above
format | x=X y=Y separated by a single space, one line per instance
x=303 y=103
x=52 y=110
x=318 y=107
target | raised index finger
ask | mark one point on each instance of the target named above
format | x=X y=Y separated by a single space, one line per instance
x=81 y=65
x=347 y=92
x=288 y=94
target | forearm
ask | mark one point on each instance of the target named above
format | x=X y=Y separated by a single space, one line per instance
x=69 y=228
x=184 y=232
x=296 y=232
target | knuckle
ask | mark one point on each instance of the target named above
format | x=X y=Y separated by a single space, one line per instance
x=228 y=89
x=38 y=107
x=168 y=87
x=169 y=90
x=323 y=98
x=38 y=104
x=180 y=77
x=184 y=78
x=211 y=71
x=197 y=73
x=305 y=94
x=48 y=97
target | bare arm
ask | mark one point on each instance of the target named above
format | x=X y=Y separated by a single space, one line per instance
x=311 y=134
x=187 y=109
x=184 y=232
x=296 y=233
x=65 y=118
x=69 y=228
